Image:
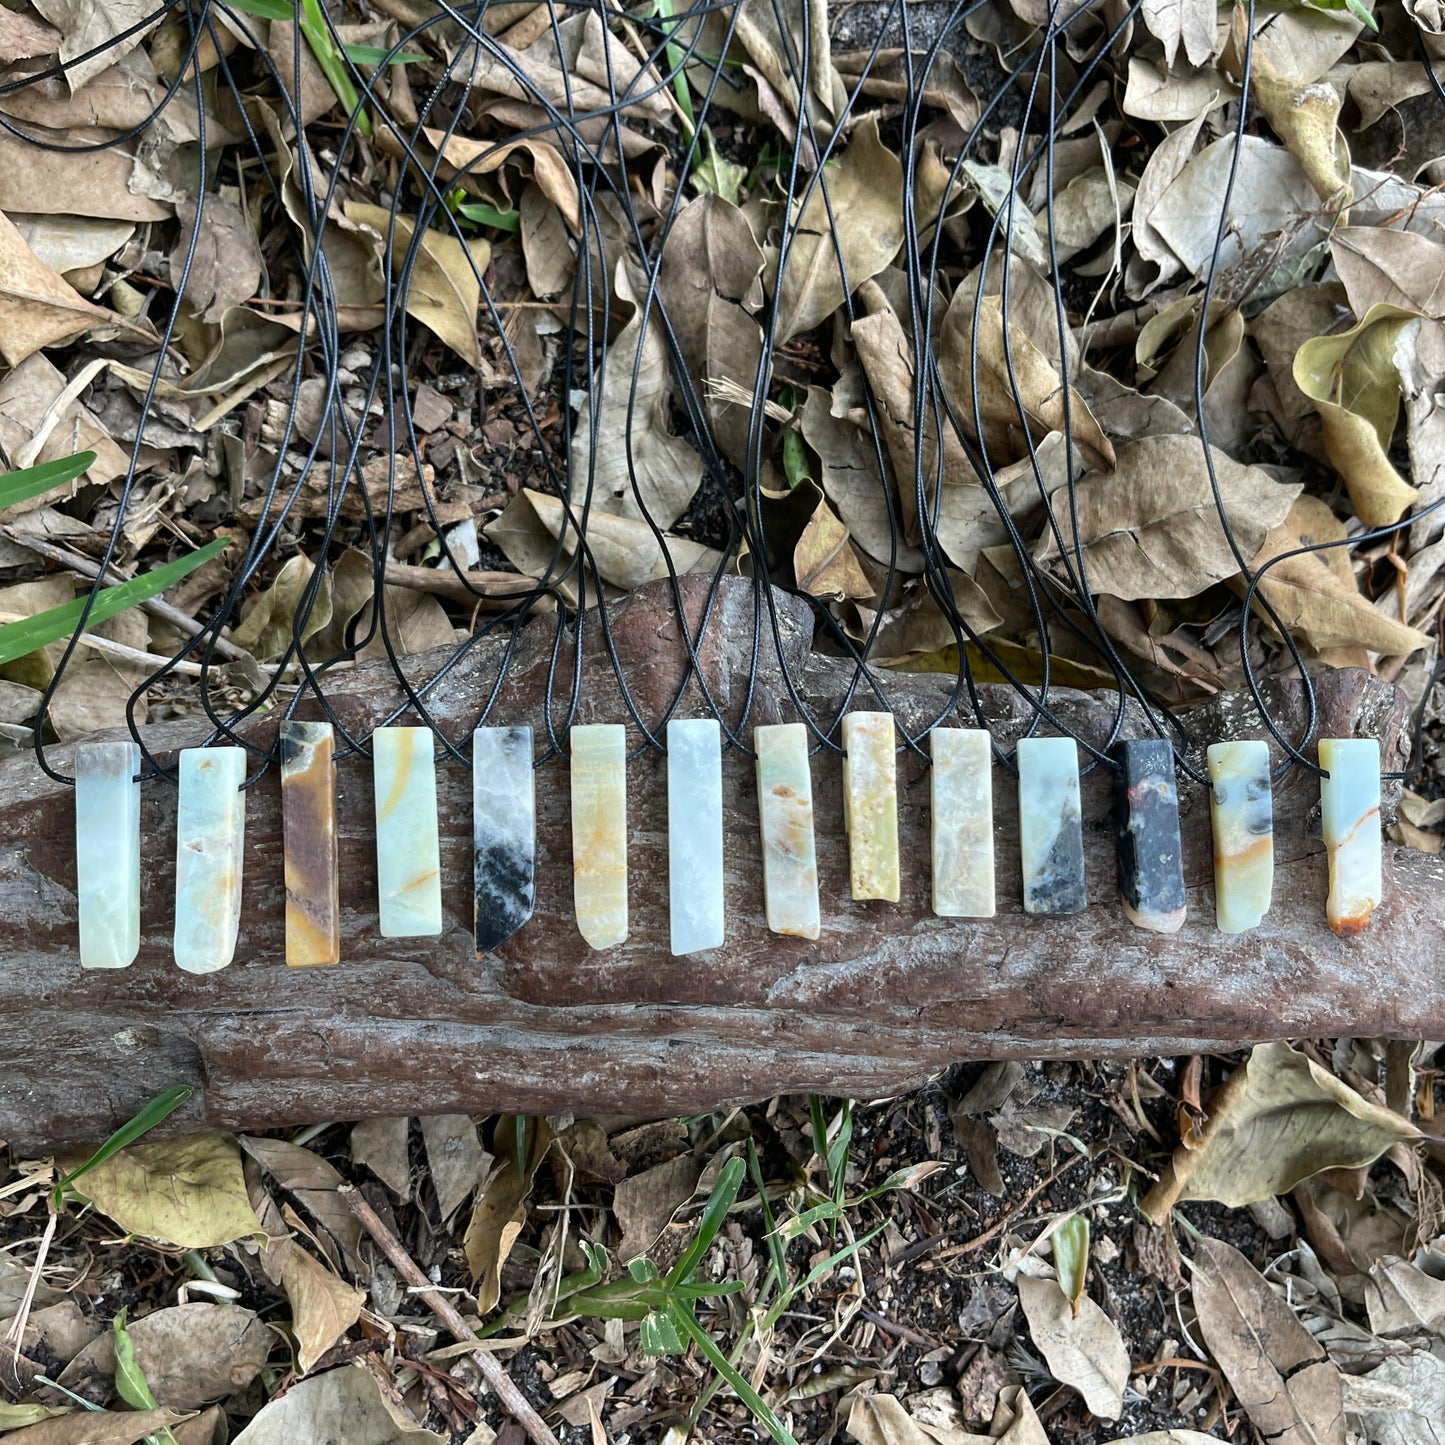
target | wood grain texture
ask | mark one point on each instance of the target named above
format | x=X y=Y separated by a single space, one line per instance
x=886 y=996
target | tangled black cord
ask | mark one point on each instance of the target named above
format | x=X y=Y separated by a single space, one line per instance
x=591 y=141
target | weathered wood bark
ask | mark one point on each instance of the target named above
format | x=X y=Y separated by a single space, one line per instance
x=888 y=995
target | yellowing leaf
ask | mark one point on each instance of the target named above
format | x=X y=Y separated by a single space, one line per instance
x=824 y=561
x=188 y=1192
x=266 y=628
x=445 y=290
x=1306 y=119
x=1353 y=382
x=38 y=308
x=1279 y=1118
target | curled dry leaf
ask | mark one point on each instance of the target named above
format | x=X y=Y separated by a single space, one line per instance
x=323 y=1306
x=1186 y=24
x=1150 y=527
x=500 y=1210
x=1306 y=118
x=38 y=307
x=1279 y=1118
x=1355 y=386
x=100 y=1427
x=1083 y=1347
x=865 y=204
x=824 y=562
x=268 y=624
x=345 y=1404
x=225 y=264
x=1276 y=1368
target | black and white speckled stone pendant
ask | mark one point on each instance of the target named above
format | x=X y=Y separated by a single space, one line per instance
x=1146 y=820
x=1051 y=837
x=504 y=820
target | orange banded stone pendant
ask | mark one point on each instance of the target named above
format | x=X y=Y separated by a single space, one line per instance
x=308 y=822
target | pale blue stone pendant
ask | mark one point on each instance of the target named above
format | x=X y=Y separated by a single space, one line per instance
x=504 y=833
x=962 y=832
x=107 y=852
x=695 y=834
x=1350 y=813
x=1051 y=834
x=408 y=853
x=210 y=834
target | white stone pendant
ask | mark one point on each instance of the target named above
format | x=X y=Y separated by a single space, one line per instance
x=599 y=832
x=1350 y=813
x=961 y=795
x=1051 y=833
x=1241 y=813
x=107 y=852
x=870 y=805
x=785 y=812
x=694 y=834
x=210 y=839
x=408 y=851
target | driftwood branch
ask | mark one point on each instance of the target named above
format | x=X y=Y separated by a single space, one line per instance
x=888 y=995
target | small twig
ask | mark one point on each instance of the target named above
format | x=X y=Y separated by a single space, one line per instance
x=481 y=588
x=511 y=1398
x=156 y=606
x=901 y=1332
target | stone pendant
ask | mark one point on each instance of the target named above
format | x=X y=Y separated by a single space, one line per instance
x=694 y=834
x=308 y=832
x=107 y=852
x=785 y=811
x=962 y=822
x=504 y=833
x=1350 y=811
x=1051 y=834
x=870 y=805
x=1241 y=813
x=210 y=837
x=408 y=851
x=1146 y=821
x=599 y=832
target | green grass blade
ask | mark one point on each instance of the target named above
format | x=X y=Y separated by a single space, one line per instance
x=24 y=636
x=130 y=1381
x=488 y=215
x=159 y=1108
x=265 y=9
x=376 y=55
x=687 y=1322
x=31 y=481
x=718 y=1204
x=333 y=67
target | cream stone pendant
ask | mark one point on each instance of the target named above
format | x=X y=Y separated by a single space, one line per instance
x=870 y=805
x=785 y=813
x=210 y=838
x=408 y=851
x=1241 y=813
x=599 y=832
x=1051 y=834
x=1350 y=813
x=961 y=797
x=107 y=852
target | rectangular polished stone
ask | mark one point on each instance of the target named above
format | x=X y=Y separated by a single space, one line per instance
x=308 y=829
x=1241 y=814
x=599 y=832
x=961 y=794
x=504 y=833
x=870 y=805
x=1350 y=813
x=694 y=834
x=785 y=813
x=210 y=838
x=1146 y=822
x=107 y=852
x=1051 y=833
x=408 y=851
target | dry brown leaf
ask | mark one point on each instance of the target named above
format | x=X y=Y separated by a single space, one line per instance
x=645 y=1203
x=381 y=1146
x=1276 y=1368
x=111 y=30
x=445 y=289
x=415 y=622
x=97 y=1427
x=23 y=37
x=1379 y=266
x=1279 y=1118
x=97 y=685
x=1355 y=386
x=1306 y=118
x=457 y=1161
x=267 y=625
x=1190 y=23
x=865 y=205
x=323 y=1306
x=480 y=158
x=1150 y=527
x=501 y=1210
x=343 y=1404
x=38 y=307
x=226 y=265
x=91 y=183
x=1319 y=602
x=313 y=1182
x=1083 y=1348
x=824 y=562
